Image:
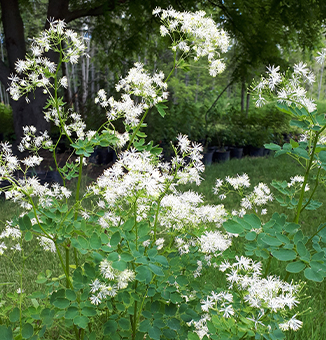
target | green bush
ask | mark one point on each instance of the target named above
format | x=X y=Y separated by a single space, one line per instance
x=7 y=122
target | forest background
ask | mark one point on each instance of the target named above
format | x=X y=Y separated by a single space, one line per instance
x=215 y=111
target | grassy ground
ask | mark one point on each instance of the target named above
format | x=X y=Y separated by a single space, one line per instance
x=259 y=170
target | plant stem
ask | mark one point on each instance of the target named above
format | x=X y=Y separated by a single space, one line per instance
x=137 y=129
x=313 y=191
x=63 y=266
x=299 y=210
x=268 y=265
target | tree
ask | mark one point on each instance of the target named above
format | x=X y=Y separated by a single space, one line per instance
x=139 y=14
x=267 y=32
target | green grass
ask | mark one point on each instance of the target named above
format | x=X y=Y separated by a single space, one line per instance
x=259 y=170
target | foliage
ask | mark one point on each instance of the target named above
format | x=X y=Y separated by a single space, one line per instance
x=7 y=123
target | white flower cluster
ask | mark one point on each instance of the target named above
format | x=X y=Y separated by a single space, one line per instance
x=289 y=91
x=47 y=244
x=181 y=210
x=140 y=176
x=260 y=195
x=151 y=90
x=13 y=232
x=237 y=183
x=266 y=296
x=8 y=162
x=214 y=242
x=38 y=68
x=297 y=180
x=198 y=34
x=27 y=188
x=120 y=281
x=32 y=142
x=201 y=328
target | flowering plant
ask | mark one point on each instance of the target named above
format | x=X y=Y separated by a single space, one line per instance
x=139 y=244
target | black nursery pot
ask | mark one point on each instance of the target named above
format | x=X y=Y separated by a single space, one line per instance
x=256 y=152
x=221 y=156
x=208 y=157
x=236 y=152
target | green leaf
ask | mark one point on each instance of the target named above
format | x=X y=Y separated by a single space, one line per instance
x=143 y=229
x=284 y=239
x=295 y=267
x=143 y=274
x=70 y=295
x=174 y=324
x=119 y=265
x=27 y=331
x=272 y=146
x=6 y=333
x=145 y=325
x=115 y=239
x=170 y=309
x=250 y=236
x=41 y=278
x=160 y=109
x=253 y=220
x=293 y=143
x=233 y=227
x=301 y=249
x=83 y=242
x=292 y=227
x=154 y=333
x=14 y=315
x=124 y=323
x=156 y=269
x=312 y=275
x=71 y=312
x=81 y=321
x=24 y=223
x=284 y=254
x=61 y=303
x=28 y=236
x=110 y=327
x=128 y=225
x=193 y=336
x=95 y=241
x=272 y=241
x=89 y=311
x=322 y=156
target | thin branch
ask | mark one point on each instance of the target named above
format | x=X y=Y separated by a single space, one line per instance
x=85 y=12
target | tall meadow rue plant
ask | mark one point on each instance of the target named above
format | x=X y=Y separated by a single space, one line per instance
x=132 y=249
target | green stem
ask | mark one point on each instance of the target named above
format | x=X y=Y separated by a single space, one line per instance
x=268 y=265
x=137 y=129
x=21 y=293
x=63 y=266
x=56 y=163
x=134 y=325
x=313 y=235
x=136 y=228
x=299 y=210
x=77 y=198
x=67 y=266
x=287 y=276
x=313 y=192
